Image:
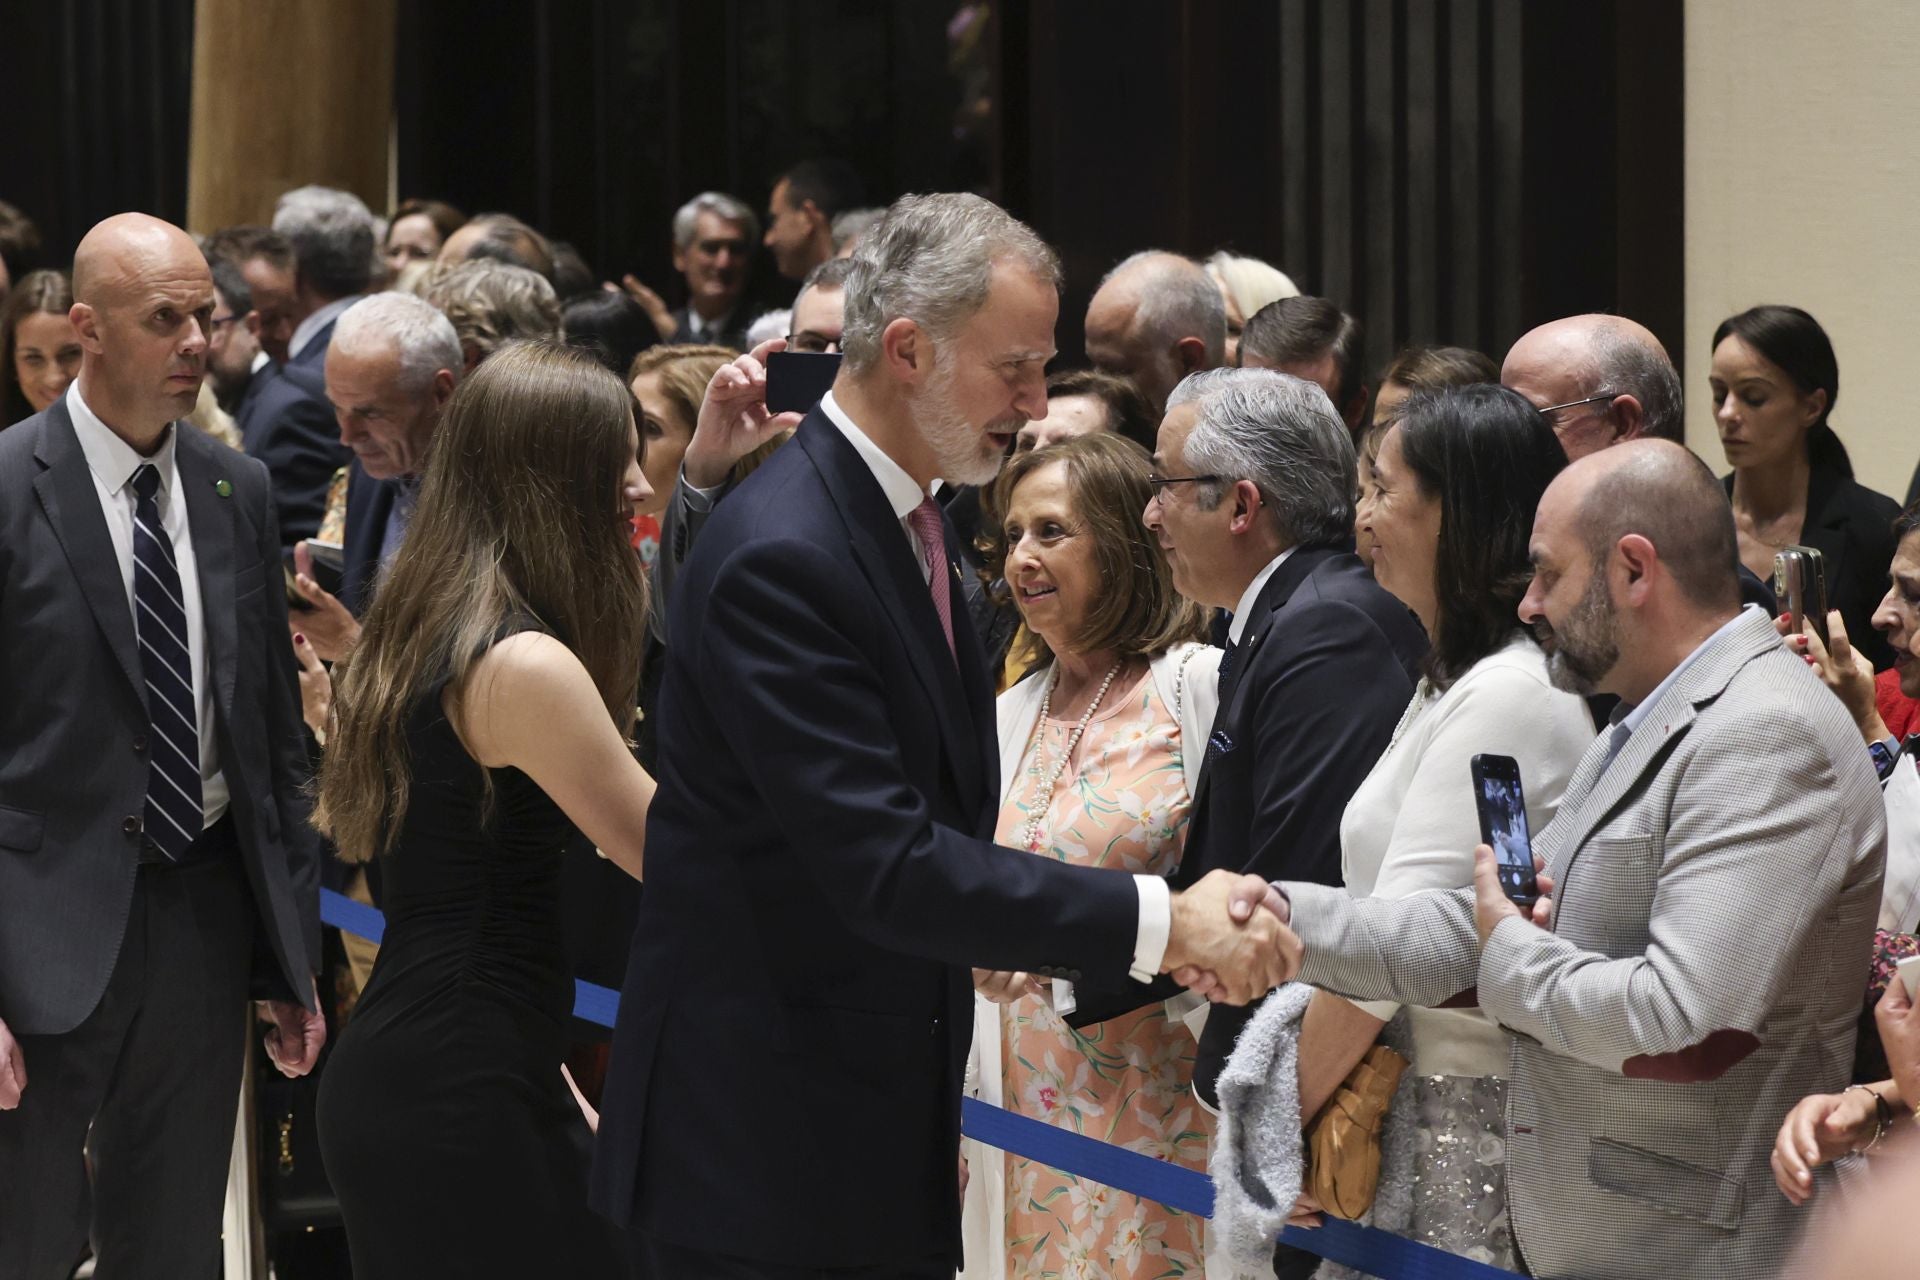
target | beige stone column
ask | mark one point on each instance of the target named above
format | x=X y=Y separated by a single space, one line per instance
x=287 y=92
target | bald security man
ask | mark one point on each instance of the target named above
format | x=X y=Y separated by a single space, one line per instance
x=156 y=866
x=1714 y=876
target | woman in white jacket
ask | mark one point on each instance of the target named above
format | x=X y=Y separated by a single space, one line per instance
x=1450 y=511
x=1100 y=748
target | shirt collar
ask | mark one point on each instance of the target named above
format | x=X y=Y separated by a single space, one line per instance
x=702 y=328
x=304 y=332
x=109 y=457
x=1633 y=718
x=903 y=491
x=1251 y=595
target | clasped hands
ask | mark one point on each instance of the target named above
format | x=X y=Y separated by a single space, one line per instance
x=1221 y=944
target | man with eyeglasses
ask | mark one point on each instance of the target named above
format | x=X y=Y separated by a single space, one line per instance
x=1598 y=380
x=233 y=350
x=1253 y=482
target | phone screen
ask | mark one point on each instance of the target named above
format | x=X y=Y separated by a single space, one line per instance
x=797 y=379
x=1503 y=824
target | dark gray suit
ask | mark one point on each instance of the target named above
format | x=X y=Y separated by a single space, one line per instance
x=126 y=983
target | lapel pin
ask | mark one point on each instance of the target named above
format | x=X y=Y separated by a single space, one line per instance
x=223 y=487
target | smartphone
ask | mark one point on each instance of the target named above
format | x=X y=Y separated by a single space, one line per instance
x=797 y=379
x=329 y=569
x=1503 y=824
x=1800 y=585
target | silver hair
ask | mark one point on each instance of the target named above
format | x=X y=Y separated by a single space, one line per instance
x=1280 y=432
x=413 y=327
x=335 y=238
x=931 y=260
x=686 y=221
x=1621 y=363
x=1178 y=299
x=774 y=324
x=852 y=224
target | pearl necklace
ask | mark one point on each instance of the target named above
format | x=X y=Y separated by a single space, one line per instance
x=1043 y=796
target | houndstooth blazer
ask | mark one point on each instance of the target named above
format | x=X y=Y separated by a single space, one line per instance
x=1717 y=887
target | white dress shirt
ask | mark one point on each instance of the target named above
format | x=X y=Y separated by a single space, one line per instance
x=304 y=332
x=112 y=461
x=702 y=330
x=903 y=495
x=1238 y=627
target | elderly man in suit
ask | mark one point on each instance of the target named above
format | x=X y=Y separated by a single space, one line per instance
x=784 y=1098
x=1715 y=872
x=155 y=861
x=284 y=418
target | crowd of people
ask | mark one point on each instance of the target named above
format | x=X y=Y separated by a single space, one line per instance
x=1099 y=743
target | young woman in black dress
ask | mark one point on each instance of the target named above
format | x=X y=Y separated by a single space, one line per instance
x=481 y=719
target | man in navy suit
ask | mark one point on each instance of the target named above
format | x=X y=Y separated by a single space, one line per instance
x=284 y=418
x=784 y=1096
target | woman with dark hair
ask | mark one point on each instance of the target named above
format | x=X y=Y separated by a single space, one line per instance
x=416 y=230
x=609 y=326
x=39 y=350
x=1775 y=381
x=1455 y=484
x=481 y=723
x=1100 y=752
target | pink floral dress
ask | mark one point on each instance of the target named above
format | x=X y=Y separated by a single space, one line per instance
x=1124 y=805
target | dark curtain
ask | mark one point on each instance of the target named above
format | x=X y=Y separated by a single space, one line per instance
x=96 y=95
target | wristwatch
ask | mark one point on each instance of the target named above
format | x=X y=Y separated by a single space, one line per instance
x=1886 y=754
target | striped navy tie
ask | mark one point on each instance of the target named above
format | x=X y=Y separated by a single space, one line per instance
x=174 y=812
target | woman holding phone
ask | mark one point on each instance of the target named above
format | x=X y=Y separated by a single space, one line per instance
x=1450 y=510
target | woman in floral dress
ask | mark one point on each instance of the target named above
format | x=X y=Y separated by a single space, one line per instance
x=1100 y=748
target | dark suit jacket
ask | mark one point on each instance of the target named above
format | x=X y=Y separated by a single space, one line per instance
x=798 y=1007
x=369 y=506
x=1325 y=669
x=734 y=335
x=287 y=423
x=73 y=722
x=1852 y=527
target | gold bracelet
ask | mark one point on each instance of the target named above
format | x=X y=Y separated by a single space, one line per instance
x=1882 y=1117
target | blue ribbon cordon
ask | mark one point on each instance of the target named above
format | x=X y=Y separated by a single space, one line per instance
x=1367 y=1249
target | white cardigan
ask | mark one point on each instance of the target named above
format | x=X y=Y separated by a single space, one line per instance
x=1187 y=680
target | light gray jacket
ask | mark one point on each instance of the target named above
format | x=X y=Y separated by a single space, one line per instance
x=1717 y=890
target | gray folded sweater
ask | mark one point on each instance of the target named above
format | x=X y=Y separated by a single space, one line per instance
x=1258 y=1161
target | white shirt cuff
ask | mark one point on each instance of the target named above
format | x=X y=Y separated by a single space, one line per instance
x=1064 y=1001
x=1156 y=924
x=697 y=498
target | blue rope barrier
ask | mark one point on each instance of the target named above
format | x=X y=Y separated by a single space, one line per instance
x=1367 y=1249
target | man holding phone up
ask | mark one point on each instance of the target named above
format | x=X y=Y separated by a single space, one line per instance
x=1712 y=879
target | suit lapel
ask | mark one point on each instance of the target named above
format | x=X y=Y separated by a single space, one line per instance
x=890 y=566
x=210 y=519
x=1592 y=795
x=72 y=503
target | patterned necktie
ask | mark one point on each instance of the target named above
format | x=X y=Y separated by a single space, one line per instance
x=928 y=527
x=174 y=812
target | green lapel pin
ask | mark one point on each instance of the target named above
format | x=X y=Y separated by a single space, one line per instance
x=223 y=487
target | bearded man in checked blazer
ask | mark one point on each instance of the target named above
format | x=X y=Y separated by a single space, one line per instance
x=1714 y=872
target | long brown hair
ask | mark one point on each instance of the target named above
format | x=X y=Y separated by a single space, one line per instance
x=517 y=517
x=1138 y=612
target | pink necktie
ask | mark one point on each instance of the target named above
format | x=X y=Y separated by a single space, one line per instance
x=927 y=527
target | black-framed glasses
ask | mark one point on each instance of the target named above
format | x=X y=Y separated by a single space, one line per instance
x=1157 y=483
x=807 y=340
x=1608 y=396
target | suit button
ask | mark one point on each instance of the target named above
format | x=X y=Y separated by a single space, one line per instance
x=132 y=827
x=1073 y=975
x=140 y=744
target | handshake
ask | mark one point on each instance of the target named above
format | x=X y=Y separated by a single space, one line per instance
x=1229 y=942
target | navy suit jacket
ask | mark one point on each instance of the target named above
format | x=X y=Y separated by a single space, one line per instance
x=1325 y=669
x=793 y=1031
x=287 y=422
x=369 y=506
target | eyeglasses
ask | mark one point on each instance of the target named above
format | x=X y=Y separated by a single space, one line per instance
x=1157 y=483
x=807 y=340
x=1552 y=409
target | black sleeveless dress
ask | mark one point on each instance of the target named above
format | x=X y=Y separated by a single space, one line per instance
x=448 y=1133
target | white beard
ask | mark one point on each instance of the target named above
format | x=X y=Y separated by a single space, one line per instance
x=964 y=454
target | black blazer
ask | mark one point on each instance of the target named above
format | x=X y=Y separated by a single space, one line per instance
x=287 y=423
x=798 y=1006
x=1852 y=526
x=74 y=723
x=1324 y=671
x=369 y=506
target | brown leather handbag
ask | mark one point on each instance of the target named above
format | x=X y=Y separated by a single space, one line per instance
x=1343 y=1143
